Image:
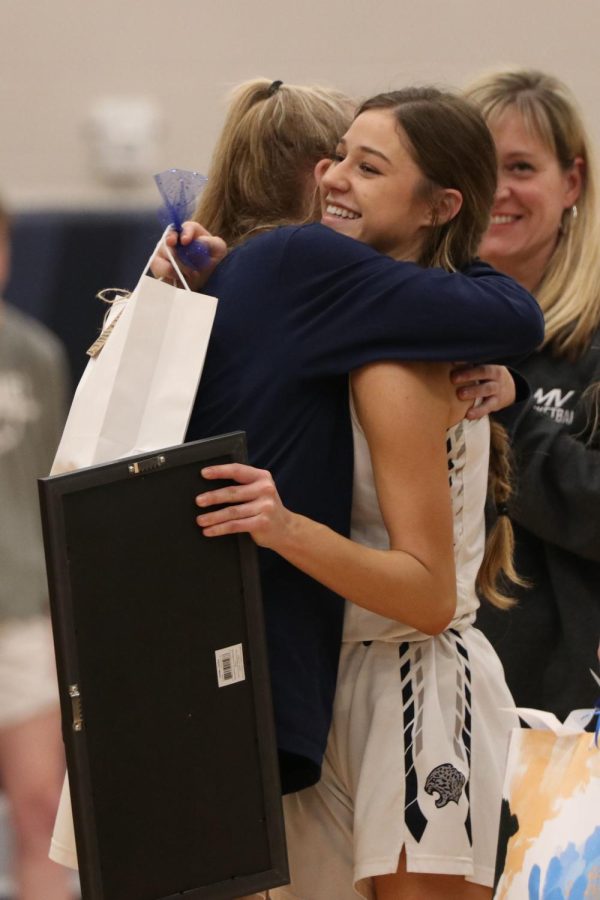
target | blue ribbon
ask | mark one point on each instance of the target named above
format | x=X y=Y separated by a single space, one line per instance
x=597 y=731
x=180 y=191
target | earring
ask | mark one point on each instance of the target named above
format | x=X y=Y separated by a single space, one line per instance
x=567 y=220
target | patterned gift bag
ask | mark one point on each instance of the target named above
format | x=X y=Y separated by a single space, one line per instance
x=549 y=846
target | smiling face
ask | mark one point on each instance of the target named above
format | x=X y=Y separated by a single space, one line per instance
x=533 y=193
x=373 y=190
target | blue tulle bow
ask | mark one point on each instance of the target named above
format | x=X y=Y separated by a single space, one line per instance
x=597 y=731
x=180 y=191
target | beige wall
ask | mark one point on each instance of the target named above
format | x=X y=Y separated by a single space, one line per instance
x=59 y=57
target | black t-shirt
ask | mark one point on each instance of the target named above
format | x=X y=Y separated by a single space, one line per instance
x=549 y=641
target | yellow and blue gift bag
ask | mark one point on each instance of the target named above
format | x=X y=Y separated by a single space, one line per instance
x=549 y=845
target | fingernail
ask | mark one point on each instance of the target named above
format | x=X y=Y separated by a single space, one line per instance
x=201 y=500
x=207 y=472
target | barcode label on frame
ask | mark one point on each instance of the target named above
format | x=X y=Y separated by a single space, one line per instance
x=230 y=665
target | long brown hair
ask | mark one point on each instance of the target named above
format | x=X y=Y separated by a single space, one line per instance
x=440 y=126
x=261 y=174
x=452 y=145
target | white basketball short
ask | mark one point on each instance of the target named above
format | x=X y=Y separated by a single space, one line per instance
x=28 y=684
x=415 y=760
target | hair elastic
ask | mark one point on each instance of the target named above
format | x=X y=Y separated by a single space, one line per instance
x=502 y=509
x=273 y=88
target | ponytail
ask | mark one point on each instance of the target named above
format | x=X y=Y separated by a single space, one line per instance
x=497 y=570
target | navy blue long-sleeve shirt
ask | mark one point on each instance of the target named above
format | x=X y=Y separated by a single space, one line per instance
x=300 y=308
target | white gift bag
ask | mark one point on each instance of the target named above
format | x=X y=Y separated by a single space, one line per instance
x=137 y=393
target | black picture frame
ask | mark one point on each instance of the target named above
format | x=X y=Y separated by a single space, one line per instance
x=172 y=761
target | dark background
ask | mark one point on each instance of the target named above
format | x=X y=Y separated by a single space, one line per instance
x=60 y=260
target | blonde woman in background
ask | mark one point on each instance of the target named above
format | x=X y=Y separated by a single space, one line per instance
x=545 y=232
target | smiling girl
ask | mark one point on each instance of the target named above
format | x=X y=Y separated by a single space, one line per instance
x=409 y=797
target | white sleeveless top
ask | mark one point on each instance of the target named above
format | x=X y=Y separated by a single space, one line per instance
x=468 y=459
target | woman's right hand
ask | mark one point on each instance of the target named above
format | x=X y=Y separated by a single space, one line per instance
x=489 y=387
x=162 y=266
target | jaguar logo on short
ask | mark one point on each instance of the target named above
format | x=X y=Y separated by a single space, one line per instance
x=447 y=782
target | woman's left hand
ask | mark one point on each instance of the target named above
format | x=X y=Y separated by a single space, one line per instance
x=489 y=386
x=253 y=505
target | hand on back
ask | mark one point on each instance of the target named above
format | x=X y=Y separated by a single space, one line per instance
x=489 y=388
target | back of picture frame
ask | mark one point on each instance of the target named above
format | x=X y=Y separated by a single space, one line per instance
x=164 y=684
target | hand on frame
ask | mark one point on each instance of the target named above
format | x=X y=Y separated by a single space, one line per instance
x=252 y=505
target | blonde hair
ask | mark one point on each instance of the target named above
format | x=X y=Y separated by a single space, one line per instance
x=261 y=174
x=569 y=293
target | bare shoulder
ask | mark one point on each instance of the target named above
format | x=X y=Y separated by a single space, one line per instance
x=417 y=389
